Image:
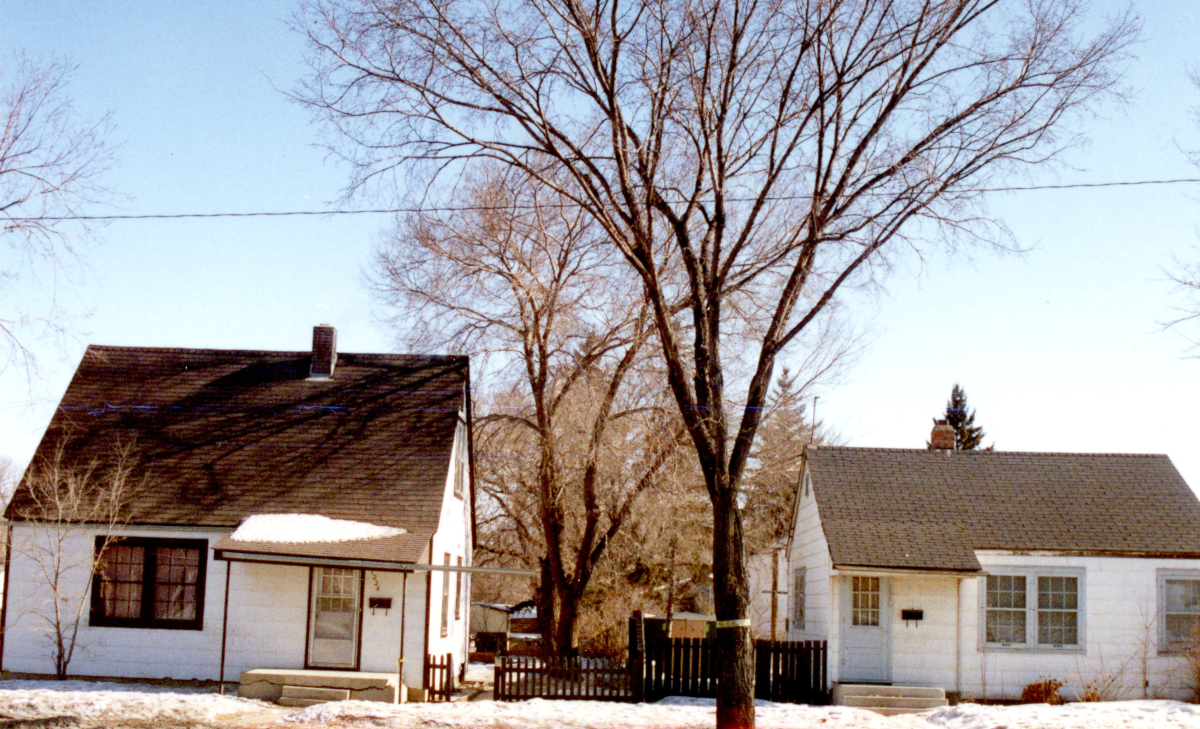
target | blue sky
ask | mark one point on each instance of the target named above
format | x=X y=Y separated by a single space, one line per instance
x=1059 y=349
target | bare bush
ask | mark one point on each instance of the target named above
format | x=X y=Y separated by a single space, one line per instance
x=62 y=502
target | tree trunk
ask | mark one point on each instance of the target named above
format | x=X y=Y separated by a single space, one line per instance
x=731 y=595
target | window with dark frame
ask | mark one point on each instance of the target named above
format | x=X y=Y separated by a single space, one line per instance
x=149 y=583
x=446 y=598
x=458 y=592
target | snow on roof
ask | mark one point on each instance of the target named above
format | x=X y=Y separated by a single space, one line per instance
x=305 y=528
x=495 y=606
x=525 y=612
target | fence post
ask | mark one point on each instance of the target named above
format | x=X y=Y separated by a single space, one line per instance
x=637 y=655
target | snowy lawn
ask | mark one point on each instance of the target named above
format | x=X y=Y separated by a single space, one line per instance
x=104 y=703
x=481 y=673
x=678 y=713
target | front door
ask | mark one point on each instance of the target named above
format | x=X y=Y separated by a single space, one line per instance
x=335 y=616
x=866 y=641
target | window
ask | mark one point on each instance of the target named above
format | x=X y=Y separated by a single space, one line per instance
x=149 y=583
x=1005 y=609
x=1179 y=598
x=807 y=483
x=798 y=599
x=460 y=460
x=1029 y=609
x=458 y=592
x=864 y=601
x=446 y=598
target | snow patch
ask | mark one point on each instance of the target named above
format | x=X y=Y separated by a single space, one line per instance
x=686 y=713
x=120 y=702
x=481 y=673
x=306 y=528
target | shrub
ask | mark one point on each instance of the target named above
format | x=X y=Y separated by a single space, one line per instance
x=1044 y=691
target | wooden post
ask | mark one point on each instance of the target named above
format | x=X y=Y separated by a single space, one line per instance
x=774 y=591
x=637 y=653
x=401 y=691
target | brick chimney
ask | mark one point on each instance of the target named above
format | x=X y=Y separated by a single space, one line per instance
x=942 y=437
x=324 y=352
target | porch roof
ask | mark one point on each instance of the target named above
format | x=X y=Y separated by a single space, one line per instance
x=404 y=549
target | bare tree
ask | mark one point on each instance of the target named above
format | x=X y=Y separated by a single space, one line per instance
x=577 y=422
x=51 y=167
x=750 y=159
x=62 y=503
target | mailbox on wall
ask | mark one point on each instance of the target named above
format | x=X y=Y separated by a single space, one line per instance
x=914 y=615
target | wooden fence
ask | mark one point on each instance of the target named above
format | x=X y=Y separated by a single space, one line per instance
x=593 y=679
x=439 y=677
x=791 y=671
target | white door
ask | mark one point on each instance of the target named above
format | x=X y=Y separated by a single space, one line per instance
x=334 y=617
x=865 y=636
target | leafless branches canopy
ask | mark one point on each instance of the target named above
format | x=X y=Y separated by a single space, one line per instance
x=748 y=158
x=576 y=423
x=51 y=165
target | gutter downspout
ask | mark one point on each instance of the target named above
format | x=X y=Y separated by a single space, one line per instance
x=401 y=691
x=958 y=636
x=225 y=626
x=8 y=530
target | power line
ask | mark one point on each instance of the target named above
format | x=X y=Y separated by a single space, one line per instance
x=471 y=208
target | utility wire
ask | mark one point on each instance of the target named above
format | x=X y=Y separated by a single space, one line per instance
x=470 y=208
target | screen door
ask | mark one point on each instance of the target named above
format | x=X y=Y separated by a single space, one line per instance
x=334 y=617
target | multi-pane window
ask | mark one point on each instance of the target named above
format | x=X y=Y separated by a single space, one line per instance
x=1058 y=610
x=864 y=598
x=797 y=596
x=1181 y=612
x=1006 y=609
x=446 y=598
x=1033 y=610
x=149 y=583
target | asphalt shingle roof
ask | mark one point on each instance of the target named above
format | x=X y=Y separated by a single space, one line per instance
x=224 y=434
x=929 y=510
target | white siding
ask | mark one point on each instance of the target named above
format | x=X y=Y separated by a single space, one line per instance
x=923 y=651
x=810 y=550
x=759 y=568
x=268 y=614
x=453 y=537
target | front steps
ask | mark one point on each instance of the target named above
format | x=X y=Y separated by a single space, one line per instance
x=889 y=700
x=302 y=696
x=294 y=687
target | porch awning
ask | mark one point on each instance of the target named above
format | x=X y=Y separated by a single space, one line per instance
x=901 y=546
x=383 y=554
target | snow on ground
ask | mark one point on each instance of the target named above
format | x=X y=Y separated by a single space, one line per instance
x=676 y=713
x=102 y=702
x=481 y=673
x=305 y=528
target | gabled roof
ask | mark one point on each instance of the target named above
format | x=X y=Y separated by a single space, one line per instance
x=224 y=434
x=930 y=510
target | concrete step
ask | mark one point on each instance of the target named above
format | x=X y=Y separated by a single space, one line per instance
x=309 y=695
x=298 y=703
x=865 y=689
x=892 y=711
x=893 y=702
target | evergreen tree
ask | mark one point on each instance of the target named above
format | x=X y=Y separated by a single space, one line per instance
x=967 y=435
x=770 y=483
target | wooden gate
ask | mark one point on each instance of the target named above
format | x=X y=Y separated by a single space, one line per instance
x=791 y=671
x=439 y=677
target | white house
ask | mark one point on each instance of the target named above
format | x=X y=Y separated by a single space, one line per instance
x=293 y=512
x=980 y=572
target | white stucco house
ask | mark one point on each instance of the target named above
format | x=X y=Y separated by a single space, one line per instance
x=980 y=572
x=289 y=512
